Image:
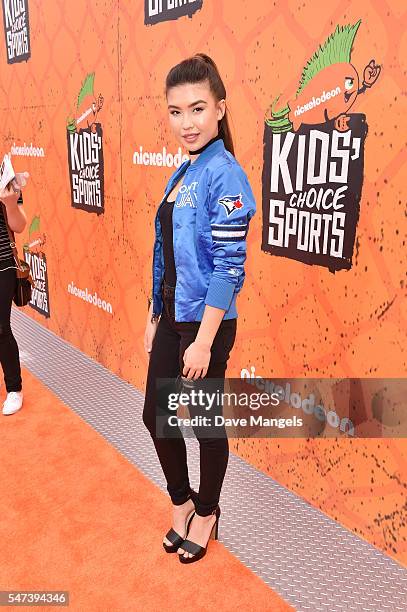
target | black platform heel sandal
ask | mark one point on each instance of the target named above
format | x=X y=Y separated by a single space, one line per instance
x=174 y=537
x=195 y=549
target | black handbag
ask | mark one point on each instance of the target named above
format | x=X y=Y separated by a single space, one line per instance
x=24 y=284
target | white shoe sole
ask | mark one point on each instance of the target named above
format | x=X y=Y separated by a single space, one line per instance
x=8 y=413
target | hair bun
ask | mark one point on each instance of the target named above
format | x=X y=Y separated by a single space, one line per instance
x=206 y=59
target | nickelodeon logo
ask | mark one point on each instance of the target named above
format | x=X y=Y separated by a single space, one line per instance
x=27 y=150
x=90 y=298
x=326 y=95
x=295 y=399
x=145 y=158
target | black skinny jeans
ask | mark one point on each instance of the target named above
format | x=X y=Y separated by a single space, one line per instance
x=166 y=361
x=9 y=357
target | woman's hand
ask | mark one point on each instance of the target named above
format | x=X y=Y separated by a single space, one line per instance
x=149 y=334
x=10 y=196
x=196 y=360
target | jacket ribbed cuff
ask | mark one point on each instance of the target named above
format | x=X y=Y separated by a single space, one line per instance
x=220 y=293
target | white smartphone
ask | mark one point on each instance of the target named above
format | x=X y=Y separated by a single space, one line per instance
x=7 y=174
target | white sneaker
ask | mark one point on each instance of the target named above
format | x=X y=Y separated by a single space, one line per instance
x=13 y=403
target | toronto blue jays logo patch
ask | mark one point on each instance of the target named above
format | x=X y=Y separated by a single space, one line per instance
x=231 y=203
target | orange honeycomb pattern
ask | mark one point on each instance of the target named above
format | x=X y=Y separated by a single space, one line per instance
x=294 y=320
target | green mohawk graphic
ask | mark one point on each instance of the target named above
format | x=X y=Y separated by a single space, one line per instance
x=279 y=122
x=35 y=226
x=71 y=124
x=87 y=88
x=337 y=48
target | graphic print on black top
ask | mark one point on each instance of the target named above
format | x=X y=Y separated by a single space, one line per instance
x=166 y=210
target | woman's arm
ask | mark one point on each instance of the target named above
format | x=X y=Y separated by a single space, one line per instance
x=230 y=206
x=198 y=354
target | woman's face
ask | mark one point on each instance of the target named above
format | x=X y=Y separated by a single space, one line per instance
x=194 y=114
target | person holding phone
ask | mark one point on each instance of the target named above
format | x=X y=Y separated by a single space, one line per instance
x=198 y=270
x=11 y=213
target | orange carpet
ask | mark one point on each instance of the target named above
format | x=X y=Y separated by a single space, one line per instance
x=77 y=516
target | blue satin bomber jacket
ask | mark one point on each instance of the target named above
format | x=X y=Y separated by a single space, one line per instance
x=210 y=221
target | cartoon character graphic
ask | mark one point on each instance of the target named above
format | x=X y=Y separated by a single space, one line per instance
x=329 y=86
x=231 y=203
x=36 y=239
x=87 y=105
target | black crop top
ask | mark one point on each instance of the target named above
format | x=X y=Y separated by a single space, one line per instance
x=6 y=254
x=170 y=275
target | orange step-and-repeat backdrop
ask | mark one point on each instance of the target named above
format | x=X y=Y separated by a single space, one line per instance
x=317 y=115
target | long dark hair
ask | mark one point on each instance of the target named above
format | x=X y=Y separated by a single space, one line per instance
x=200 y=68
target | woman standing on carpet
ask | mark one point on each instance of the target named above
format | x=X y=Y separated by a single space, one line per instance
x=11 y=211
x=198 y=269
